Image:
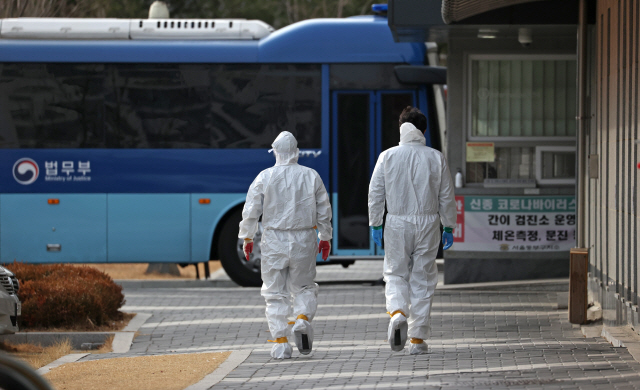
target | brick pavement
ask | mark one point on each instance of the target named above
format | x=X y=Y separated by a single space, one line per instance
x=480 y=340
x=362 y=270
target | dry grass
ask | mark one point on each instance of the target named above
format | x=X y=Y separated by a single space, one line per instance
x=160 y=372
x=106 y=347
x=35 y=355
x=137 y=271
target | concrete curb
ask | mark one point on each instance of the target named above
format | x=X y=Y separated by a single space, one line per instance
x=121 y=340
x=233 y=361
x=46 y=339
x=136 y=322
x=623 y=336
x=71 y=358
x=618 y=336
x=591 y=330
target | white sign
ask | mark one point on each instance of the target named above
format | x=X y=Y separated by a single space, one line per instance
x=515 y=224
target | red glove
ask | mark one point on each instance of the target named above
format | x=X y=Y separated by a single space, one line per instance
x=324 y=247
x=247 y=247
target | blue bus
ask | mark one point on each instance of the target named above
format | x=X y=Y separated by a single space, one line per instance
x=123 y=150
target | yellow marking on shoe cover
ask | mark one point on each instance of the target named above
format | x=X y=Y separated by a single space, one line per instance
x=396 y=312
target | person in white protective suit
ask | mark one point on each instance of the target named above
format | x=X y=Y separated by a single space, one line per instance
x=414 y=181
x=293 y=203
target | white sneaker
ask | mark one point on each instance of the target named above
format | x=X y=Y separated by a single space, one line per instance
x=418 y=348
x=397 y=333
x=281 y=351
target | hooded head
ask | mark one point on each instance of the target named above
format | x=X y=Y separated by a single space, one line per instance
x=413 y=124
x=285 y=147
x=410 y=134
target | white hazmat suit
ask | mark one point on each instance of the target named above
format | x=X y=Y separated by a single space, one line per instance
x=416 y=184
x=293 y=202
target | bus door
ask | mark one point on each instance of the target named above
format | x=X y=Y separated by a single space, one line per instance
x=364 y=123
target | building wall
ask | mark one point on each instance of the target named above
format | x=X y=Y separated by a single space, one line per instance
x=466 y=266
x=612 y=218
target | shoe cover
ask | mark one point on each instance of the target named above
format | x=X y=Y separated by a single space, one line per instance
x=418 y=349
x=281 y=351
x=303 y=335
x=397 y=333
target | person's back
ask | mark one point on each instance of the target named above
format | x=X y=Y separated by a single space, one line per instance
x=292 y=201
x=288 y=206
x=416 y=168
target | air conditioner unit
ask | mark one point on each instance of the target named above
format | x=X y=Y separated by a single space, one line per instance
x=199 y=29
x=169 y=29
x=64 y=28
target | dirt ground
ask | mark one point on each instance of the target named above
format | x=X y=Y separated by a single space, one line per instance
x=137 y=271
x=160 y=372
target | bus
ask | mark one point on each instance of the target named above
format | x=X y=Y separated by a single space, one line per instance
x=135 y=141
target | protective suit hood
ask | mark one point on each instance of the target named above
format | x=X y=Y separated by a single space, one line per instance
x=285 y=147
x=410 y=134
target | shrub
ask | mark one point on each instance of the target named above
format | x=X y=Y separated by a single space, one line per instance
x=63 y=295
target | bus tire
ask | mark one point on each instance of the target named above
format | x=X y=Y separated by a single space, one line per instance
x=238 y=269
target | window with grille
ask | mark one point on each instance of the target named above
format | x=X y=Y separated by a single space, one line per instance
x=524 y=96
x=526 y=105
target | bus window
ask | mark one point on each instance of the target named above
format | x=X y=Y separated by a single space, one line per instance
x=219 y=106
x=52 y=105
x=159 y=105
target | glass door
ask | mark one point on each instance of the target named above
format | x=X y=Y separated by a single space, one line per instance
x=364 y=123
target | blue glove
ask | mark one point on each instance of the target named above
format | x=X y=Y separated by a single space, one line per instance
x=447 y=238
x=376 y=235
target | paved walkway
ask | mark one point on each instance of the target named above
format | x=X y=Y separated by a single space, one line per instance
x=363 y=270
x=480 y=340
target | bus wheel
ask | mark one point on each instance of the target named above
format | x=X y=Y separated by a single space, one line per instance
x=245 y=273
